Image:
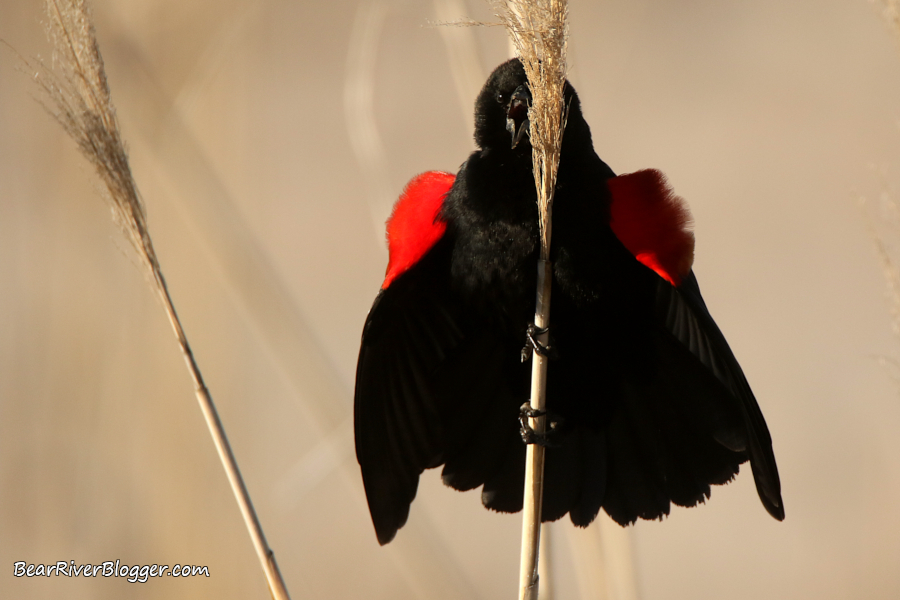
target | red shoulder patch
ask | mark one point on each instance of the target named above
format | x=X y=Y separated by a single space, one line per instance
x=414 y=226
x=653 y=223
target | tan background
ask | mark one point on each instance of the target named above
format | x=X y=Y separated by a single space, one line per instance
x=269 y=139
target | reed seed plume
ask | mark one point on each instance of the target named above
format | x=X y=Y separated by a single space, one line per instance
x=539 y=30
x=80 y=100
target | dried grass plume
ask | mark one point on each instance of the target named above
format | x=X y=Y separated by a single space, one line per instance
x=540 y=32
x=80 y=101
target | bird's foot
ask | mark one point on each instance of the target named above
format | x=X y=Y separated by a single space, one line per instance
x=529 y=435
x=532 y=344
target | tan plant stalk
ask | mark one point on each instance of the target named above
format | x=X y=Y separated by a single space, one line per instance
x=84 y=109
x=539 y=31
x=890 y=10
x=890 y=215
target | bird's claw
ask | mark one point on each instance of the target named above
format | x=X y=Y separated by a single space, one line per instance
x=532 y=344
x=529 y=435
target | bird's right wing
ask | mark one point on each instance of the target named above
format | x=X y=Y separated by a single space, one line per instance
x=432 y=383
x=411 y=327
x=432 y=388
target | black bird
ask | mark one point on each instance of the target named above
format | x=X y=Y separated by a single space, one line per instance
x=650 y=403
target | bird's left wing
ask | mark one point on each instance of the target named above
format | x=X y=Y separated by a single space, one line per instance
x=652 y=222
x=684 y=314
x=694 y=358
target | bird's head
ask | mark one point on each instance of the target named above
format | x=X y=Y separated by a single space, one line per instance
x=501 y=110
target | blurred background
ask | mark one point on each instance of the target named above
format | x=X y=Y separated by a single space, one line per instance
x=269 y=139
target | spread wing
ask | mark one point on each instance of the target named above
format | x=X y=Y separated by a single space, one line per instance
x=695 y=419
x=410 y=329
x=433 y=379
x=433 y=386
x=686 y=317
x=689 y=422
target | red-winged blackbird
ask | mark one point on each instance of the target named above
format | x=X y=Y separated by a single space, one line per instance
x=651 y=404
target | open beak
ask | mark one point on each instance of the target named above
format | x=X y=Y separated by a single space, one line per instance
x=517 y=122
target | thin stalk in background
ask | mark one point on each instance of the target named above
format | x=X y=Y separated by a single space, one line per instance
x=539 y=31
x=890 y=11
x=84 y=109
